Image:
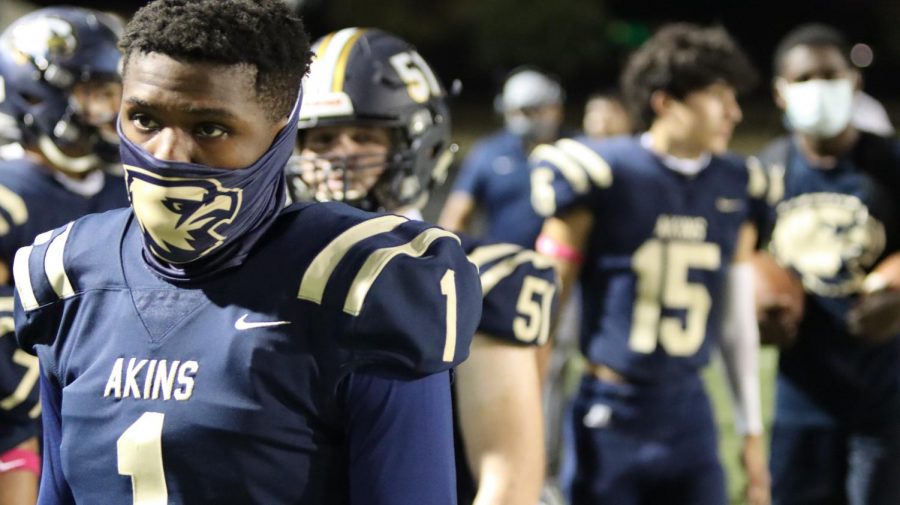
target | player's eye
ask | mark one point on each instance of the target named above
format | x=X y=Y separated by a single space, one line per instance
x=210 y=131
x=143 y=122
x=320 y=141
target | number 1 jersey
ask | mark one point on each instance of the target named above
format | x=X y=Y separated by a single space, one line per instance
x=232 y=389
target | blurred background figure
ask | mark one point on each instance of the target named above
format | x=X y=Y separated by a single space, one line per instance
x=61 y=94
x=495 y=176
x=606 y=116
x=834 y=219
x=657 y=230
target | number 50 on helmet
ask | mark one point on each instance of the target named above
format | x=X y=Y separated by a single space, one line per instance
x=367 y=77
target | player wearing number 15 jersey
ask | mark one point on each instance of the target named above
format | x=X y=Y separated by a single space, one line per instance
x=209 y=344
x=654 y=227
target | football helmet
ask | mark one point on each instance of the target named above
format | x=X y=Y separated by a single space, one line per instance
x=367 y=77
x=43 y=56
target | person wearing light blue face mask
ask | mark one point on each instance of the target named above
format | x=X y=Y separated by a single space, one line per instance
x=833 y=219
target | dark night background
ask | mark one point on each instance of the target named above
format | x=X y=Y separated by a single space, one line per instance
x=585 y=41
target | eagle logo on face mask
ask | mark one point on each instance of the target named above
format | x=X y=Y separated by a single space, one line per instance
x=182 y=218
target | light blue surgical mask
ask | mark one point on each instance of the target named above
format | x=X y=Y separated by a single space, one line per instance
x=818 y=107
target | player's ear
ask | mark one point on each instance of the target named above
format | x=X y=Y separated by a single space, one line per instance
x=660 y=102
x=857 y=78
x=778 y=85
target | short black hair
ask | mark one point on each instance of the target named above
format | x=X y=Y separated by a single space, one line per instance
x=814 y=35
x=261 y=33
x=679 y=59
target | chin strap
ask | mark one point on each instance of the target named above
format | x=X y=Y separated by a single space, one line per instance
x=69 y=164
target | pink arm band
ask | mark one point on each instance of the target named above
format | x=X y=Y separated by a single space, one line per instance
x=20 y=460
x=554 y=249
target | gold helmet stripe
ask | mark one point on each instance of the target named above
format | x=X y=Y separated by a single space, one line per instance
x=324 y=66
x=340 y=68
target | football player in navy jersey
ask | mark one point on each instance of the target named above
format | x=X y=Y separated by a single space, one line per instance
x=209 y=344
x=375 y=133
x=655 y=227
x=833 y=217
x=59 y=95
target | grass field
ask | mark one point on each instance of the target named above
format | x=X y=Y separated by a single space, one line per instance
x=729 y=442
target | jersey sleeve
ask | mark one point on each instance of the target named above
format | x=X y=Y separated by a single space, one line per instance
x=520 y=293
x=41 y=282
x=469 y=178
x=406 y=295
x=400 y=440
x=567 y=174
x=54 y=487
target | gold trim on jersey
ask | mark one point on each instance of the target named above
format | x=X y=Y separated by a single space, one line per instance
x=312 y=286
x=488 y=253
x=492 y=276
x=53 y=266
x=568 y=166
x=378 y=260
x=596 y=167
x=6 y=303
x=15 y=206
x=756 y=178
x=22 y=276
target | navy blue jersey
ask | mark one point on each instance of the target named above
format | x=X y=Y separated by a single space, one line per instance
x=32 y=201
x=521 y=291
x=656 y=257
x=496 y=175
x=832 y=226
x=294 y=378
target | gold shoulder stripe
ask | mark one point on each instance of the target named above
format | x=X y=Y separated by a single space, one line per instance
x=567 y=166
x=492 y=276
x=6 y=303
x=22 y=276
x=53 y=266
x=15 y=206
x=379 y=259
x=488 y=253
x=312 y=287
x=756 y=178
x=43 y=238
x=596 y=167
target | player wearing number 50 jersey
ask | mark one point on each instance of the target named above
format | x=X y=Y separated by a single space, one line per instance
x=372 y=143
x=655 y=229
x=209 y=344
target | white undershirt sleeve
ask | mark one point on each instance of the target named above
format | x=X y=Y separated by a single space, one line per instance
x=740 y=348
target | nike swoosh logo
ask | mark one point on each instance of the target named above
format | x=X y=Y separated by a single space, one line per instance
x=729 y=204
x=243 y=324
x=6 y=466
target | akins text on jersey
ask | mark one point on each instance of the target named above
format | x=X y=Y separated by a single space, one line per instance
x=151 y=379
